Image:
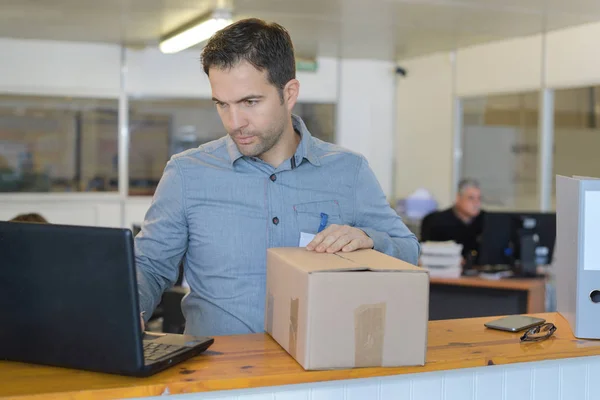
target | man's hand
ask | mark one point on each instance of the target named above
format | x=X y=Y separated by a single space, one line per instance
x=336 y=238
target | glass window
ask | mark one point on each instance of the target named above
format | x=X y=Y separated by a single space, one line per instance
x=500 y=149
x=160 y=128
x=576 y=132
x=53 y=144
x=319 y=119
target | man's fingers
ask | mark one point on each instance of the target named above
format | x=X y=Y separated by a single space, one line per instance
x=315 y=242
x=328 y=241
x=319 y=237
x=336 y=238
x=355 y=244
x=338 y=244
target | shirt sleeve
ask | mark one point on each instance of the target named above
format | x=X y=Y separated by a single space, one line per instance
x=375 y=217
x=163 y=239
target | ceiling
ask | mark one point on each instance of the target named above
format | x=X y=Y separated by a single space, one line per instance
x=379 y=29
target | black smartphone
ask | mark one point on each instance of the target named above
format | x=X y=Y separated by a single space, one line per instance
x=514 y=323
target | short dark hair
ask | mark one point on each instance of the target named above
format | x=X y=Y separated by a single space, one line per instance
x=267 y=46
x=31 y=217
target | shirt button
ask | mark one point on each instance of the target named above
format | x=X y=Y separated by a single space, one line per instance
x=273 y=178
x=276 y=220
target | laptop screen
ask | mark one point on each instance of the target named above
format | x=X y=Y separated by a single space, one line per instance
x=69 y=297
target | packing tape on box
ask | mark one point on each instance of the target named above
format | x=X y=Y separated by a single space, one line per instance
x=270 y=311
x=369 y=331
x=293 y=340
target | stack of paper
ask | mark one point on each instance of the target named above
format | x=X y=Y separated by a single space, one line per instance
x=442 y=259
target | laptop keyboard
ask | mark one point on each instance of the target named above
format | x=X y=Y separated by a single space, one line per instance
x=156 y=351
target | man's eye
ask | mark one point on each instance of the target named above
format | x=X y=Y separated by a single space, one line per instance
x=220 y=105
x=251 y=103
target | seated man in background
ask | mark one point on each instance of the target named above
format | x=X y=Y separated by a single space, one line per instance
x=461 y=223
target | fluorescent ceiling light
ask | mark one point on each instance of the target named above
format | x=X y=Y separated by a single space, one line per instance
x=196 y=32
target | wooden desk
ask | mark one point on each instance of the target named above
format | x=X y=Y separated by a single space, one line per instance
x=252 y=361
x=471 y=297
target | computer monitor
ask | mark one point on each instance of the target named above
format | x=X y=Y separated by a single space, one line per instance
x=508 y=235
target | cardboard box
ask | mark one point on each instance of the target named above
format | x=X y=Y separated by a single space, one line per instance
x=345 y=310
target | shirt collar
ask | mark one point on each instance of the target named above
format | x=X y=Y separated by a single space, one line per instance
x=234 y=153
x=304 y=150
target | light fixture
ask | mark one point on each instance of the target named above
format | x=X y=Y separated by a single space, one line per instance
x=196 y=31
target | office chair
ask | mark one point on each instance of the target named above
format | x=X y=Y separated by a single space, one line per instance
x=173 y=319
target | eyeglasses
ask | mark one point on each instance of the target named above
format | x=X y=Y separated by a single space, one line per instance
x=539 y=333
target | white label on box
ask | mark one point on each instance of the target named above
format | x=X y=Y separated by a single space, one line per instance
x=591 y=231
x=305 y=238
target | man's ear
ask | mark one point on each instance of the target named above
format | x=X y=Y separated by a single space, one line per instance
x=290 y=93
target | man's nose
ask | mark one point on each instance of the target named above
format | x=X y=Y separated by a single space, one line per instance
x=237 y=119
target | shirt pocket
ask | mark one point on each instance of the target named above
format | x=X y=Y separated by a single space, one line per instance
x=308 y=215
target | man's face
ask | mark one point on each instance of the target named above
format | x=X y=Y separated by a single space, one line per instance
x=469 y=201
x=250 y=107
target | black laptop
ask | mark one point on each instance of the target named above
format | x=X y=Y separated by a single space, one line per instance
x=68 y=297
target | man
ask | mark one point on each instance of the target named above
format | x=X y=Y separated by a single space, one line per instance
x=462 y=223
x=223 y=204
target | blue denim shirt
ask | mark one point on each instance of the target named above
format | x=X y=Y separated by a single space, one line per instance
x=220 y=211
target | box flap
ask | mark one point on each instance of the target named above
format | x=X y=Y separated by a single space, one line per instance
x=376 y=261
x=310 y=261
x=361 y=260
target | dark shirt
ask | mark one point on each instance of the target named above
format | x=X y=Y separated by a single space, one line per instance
x=441 y=226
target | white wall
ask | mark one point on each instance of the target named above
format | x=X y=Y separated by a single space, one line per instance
x=572 y=57
x=93 y=70
x=320 y=86
x=59 y=68
x=500 y=67
x=88 y=209
x=153 y=74
x=424 y=127
x=365 y=114
x=70 y=209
